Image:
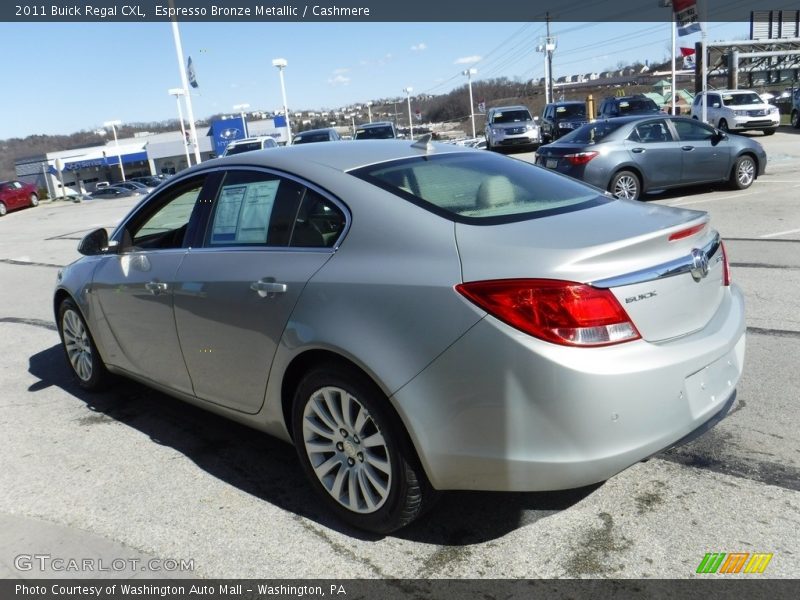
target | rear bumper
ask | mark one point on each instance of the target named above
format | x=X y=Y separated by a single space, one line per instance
x=502 y=411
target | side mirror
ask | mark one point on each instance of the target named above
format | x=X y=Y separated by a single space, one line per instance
x=94 y=243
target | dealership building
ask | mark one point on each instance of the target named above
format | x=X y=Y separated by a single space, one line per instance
x=78 y=171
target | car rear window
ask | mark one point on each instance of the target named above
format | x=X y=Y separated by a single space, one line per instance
x=374 y=133
x=239 y=148
x=591 y=133
x=481 y=187
x=312 y=138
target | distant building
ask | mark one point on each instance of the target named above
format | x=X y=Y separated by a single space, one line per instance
x=160 y=153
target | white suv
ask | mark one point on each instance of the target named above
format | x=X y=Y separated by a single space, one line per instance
x=508 y=126
x=737 y=110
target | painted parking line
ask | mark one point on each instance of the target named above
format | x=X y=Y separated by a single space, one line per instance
x=779 y=233
x=729 y=197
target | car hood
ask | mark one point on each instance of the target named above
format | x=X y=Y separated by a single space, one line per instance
x=600 y=245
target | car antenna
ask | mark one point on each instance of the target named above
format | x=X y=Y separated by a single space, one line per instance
x=424 y=143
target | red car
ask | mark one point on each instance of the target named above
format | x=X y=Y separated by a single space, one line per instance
x=15 y=194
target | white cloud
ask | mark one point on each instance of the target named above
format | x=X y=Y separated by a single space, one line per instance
x=341 y=71
x=339 y=79
x=467 y=60
x=419 y=47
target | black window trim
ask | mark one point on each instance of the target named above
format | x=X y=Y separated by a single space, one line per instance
x=363 y=174
x=203 y=224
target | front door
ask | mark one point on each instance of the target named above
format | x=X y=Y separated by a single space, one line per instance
x=134 y=287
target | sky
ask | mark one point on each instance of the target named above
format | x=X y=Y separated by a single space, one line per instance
x=61 y=78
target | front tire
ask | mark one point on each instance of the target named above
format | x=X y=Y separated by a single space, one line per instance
x=743 y=173
x=354 y=451
x=3 y=210
x=82 y=355
x=626 y=184
x=770 y=131
x=723 y=126
x=796 y=119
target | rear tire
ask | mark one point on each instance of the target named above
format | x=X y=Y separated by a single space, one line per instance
x=352 y=447
x=626 y=184
x=743 y=173
x=3 y=210
x=82 y=355
x=796 y=119
x=34 y=200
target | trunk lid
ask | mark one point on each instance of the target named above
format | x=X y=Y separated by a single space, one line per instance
x=667 y=288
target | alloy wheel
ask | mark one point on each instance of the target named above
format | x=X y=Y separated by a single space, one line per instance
x=77 y=344
x=745 y=172
x=347 y=451
x=626 y=186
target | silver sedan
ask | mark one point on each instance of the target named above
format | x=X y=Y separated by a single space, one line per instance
x=414 y=318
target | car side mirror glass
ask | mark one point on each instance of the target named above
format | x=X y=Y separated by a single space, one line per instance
x=94 y=243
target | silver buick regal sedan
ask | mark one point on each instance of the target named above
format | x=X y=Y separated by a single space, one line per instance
x=414 y=317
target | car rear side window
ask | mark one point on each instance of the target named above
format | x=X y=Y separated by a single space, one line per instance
x=256 y=208
x=480 y=188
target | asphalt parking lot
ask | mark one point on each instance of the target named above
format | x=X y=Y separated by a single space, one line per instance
x=134 y=473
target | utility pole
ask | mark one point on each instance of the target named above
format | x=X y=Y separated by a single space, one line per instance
x=550 y=42
x=546 y=47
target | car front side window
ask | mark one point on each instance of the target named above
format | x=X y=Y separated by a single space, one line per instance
x=163 y=224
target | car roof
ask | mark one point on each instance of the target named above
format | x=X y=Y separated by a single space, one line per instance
x=312 y=131
x=338 y=155
x=250 y=139
x=514 y=107
x=562 y=102
x=375 y=124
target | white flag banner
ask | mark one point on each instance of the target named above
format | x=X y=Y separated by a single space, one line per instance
x=686 y=17
x=190 y=74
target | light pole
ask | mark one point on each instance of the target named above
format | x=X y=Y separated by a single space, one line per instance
x=241 y=108
x=178 y=92
x=185 y=83
x=114 y=124
x=281 y=63
x=353 y=122
x=469 y=73
x=369 y=111
x=408 y=91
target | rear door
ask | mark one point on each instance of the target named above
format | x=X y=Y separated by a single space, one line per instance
x=267 y=235
x=655 y=151
x=704 y=156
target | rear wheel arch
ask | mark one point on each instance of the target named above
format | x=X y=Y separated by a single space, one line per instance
x=408 y=493
x=631 y=169
x=308 y=361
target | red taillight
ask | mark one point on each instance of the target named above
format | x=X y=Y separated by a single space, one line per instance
x=726 y=267
x=580 y=158
x=689 y=231
x=562 y=312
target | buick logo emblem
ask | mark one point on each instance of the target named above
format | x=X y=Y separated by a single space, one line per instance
x=699 y=264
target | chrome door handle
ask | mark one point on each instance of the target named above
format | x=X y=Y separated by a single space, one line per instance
x=156 y=287
x=637 y=150
x=268 y=289
x=687 y=148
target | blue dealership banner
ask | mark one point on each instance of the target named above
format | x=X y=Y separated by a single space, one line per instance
x=224 y=131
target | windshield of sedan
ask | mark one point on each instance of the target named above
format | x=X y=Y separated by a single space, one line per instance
x=481 y=187
x=591 y=133
x=375 y=133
